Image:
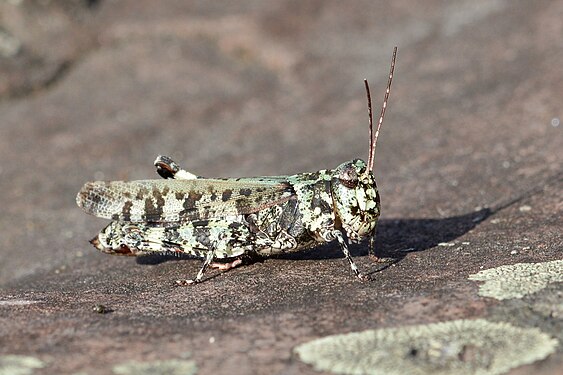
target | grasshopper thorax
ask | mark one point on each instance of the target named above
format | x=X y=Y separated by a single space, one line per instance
x=356 y=201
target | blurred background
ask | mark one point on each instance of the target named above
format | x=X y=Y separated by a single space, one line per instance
x=468 y=167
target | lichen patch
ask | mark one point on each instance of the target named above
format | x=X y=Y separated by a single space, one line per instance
x=455 y=347
x=168 y=367
x=518 y=280
x=19 y=364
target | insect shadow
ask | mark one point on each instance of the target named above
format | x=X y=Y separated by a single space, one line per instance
x=395 y=238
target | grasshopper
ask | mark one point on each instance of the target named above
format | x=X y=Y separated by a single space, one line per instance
x=229 y=218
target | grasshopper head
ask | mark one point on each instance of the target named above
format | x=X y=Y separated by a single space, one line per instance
x=356 y=200
x=353 y=188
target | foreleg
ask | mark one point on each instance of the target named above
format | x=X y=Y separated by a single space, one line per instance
x=344 y=246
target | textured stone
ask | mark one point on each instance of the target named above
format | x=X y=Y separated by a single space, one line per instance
x=241 y=88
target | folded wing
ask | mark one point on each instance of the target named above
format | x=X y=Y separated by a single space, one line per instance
x=171 y=201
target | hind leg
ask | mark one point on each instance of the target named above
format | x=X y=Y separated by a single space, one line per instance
x=208 y=259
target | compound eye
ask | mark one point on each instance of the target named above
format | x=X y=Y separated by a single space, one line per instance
x=349 y=177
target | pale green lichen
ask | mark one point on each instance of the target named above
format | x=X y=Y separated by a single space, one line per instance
x=518 y=280
x=455 y=347
x=168 y=367
x=19 y=364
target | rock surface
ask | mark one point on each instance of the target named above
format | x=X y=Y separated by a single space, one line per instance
x=468 y=164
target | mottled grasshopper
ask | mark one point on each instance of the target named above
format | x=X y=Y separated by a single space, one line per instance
x=232 y=217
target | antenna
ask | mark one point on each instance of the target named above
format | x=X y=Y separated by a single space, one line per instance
x=373 y=137
x=370 y=115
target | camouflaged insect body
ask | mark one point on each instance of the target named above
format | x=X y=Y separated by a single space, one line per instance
x=226 y=219
x=231 y=217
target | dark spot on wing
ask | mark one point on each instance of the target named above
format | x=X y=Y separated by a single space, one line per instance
x=159 y=198
x=245 y=191
x=148 y=205
x=90 y=196
x=127 y=209
x=191 y=200
x=153 y=212
x=212 y=193
x=226 y=195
